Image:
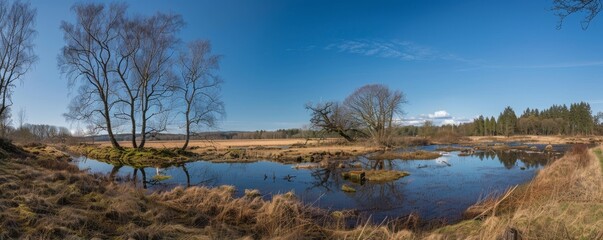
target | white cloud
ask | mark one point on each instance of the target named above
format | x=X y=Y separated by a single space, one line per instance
x=439 y=118
x=403 y=50
x=439 y=115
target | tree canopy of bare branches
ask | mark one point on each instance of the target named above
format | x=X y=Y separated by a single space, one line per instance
x=374 y=106
x=565 y=8
x=17 y=32
x=369 y=111
x=123 y=68
x=157 y=41
x=88 y=61
x=200 y=87
x=334 y=118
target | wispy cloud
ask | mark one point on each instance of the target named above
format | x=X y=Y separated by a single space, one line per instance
x=538 y=66
x=439 y=118
x=403 y=50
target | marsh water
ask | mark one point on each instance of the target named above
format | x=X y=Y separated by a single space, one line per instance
x=435 y=189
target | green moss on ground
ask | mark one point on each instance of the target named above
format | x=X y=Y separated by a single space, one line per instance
x=135 y=157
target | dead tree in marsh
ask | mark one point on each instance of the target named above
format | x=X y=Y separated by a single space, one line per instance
x=200 y=87
x=334 y=118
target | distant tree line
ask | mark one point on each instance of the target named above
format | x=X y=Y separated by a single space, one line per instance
x=556 y=120
x=577 y=119
x=29 y=133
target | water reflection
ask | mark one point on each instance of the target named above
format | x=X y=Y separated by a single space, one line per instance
x=511 y=159
x=435 y=189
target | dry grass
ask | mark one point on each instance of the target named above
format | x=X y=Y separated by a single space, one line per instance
x=46 y=197
x=539 y=139
x=281 y=150
x=417 y=155
x=226 y=144
x=564 y=201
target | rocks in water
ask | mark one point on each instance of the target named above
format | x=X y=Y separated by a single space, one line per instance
x=548 y=148
x=347 y=188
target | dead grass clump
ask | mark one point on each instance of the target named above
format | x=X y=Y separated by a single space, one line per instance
x=416 y=155
x=371 y=231
x=580 y=154
x=564 y=201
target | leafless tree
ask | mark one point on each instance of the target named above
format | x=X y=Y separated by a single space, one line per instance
x=5 y=123
x=375 y=106
x=564 y=8
x=128 y=87
x=335 y=118
x=16 y=46
x=88 y=60
x=22 y=117
x=200 y=87
x=156 y=39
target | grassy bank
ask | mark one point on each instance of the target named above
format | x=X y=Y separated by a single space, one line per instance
x=416 y=155
x=44 y=197
x=564 y=201
x=134 y=157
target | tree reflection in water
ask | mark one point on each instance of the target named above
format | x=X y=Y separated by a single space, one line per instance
x=369 y=196
x=510 y=158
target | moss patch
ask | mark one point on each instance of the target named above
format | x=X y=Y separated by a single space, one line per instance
x=135 y=157
x=385 y=175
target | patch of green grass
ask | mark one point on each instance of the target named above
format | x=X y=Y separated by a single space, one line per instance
x=385 y=175
x=161 y=177
x=135 y=157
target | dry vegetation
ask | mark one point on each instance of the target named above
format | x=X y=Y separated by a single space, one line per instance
x=249 y=150
x=564 y=201
x=43 y=196
x=540 y=139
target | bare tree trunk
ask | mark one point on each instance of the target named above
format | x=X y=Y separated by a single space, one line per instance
x=188 y=130
x=114 y=142
x=143 y=134
x=133 y=120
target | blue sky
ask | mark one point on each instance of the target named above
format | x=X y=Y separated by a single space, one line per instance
x=454 y=60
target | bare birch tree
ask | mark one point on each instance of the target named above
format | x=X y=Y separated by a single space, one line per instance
x=156 y=38
x=17 y=32
x=88 y=61
x=200 y=87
